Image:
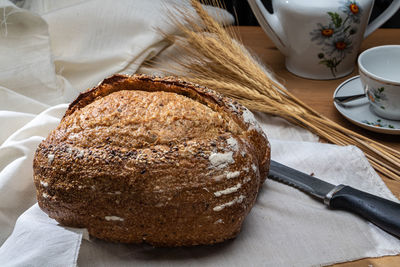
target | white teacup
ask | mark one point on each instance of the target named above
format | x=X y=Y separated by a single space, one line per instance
x=379 y=69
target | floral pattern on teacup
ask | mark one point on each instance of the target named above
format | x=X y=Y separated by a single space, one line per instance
x=336 y=37
x=376 y=96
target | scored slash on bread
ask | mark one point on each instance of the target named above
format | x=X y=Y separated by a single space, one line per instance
x=156 y=160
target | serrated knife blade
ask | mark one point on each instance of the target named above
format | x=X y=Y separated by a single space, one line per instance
x=302 y=181
x=382 y=212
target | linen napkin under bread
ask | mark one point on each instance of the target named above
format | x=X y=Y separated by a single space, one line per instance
x=52 y=50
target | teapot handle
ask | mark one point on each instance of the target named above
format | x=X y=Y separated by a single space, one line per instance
x=270 y=24
x=382 y=18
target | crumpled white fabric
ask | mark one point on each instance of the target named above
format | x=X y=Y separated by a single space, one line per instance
x=35 y=237
x=47 y=57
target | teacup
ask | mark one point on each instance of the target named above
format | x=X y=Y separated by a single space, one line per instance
x=379 y=69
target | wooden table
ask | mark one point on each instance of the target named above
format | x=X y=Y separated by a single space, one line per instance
x=318 y=95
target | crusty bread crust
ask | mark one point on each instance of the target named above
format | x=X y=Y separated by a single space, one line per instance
x=156 y=160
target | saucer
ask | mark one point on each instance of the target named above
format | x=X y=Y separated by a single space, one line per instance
x=359 y=111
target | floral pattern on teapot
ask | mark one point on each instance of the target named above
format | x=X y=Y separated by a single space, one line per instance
x=336 y=37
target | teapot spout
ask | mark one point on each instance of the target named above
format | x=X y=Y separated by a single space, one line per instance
x=270 y=24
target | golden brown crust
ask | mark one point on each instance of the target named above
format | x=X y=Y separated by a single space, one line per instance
x=157 y=160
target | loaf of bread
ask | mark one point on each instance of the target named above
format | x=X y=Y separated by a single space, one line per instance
x=155 y=160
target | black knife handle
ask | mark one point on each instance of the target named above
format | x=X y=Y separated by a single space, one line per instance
x=382 y=212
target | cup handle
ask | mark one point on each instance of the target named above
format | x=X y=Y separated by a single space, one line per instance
x=270 y=23
x=366 y=91
x=382 y=18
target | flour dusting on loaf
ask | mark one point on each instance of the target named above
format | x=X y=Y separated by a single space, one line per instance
x=157 y=160
x=221 y=160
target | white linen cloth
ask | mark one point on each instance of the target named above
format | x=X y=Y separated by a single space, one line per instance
x=47 y=57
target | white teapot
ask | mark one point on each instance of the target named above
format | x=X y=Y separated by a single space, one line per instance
x=320 y=38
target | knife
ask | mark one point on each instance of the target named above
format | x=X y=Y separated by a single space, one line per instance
x=382 y=212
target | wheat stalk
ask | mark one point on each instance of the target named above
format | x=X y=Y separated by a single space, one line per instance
x=216 y=60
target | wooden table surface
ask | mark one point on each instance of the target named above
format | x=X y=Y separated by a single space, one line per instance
x=318 y=95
